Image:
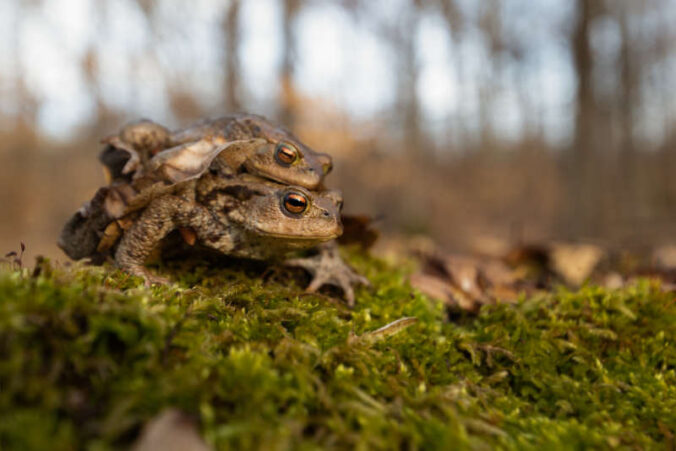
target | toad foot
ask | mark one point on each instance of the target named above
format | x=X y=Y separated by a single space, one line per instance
x=327 y=268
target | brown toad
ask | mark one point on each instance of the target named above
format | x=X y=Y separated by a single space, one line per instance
x=240 y=217
x=236 y=214
x=279 y=155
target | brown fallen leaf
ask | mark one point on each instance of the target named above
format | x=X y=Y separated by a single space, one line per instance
x=531 y=262
x=433 y=286
x=575 y=263
x=170 y=430
x=442 y=289
x=546 y=264
x=612 y=280
x=358 y=229
x=664 y=257
x=464 y=273
x=464 y=282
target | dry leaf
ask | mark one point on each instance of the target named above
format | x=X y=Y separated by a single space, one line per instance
x=574 y=263
x=171 y=430
x=464 y=282
x=664 y=257
x=358 y=229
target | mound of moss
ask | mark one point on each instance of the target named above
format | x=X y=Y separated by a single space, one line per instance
x=88 y=356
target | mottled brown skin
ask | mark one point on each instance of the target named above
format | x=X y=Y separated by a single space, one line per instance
x=307 y=171
x=241 y=217
x=129 y=150
x=244 y=216
x=138 y=142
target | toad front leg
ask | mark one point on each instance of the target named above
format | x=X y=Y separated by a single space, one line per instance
x=160 y=217
x=327 y=268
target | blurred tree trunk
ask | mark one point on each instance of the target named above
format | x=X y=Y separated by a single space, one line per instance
x=629 y=80
x=26 y=102
x=287 y=105
x=490 y=23
x=408 y=71
x=454 y=22
x=232 y=67
x=582 y=212
x=104 y=120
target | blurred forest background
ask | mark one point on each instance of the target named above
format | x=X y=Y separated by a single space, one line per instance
x=473 y=122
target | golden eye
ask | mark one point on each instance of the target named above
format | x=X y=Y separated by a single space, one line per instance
x=295 y=203
x=286 y=154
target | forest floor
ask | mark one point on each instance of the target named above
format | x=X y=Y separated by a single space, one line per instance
x=246 y=360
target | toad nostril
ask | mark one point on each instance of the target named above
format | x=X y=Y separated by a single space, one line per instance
x=326 y=214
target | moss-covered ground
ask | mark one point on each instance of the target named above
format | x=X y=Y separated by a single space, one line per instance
x=88 y=355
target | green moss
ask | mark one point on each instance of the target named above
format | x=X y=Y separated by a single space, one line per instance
x=88 y=356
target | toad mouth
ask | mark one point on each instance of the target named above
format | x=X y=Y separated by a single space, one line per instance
x=301 y=237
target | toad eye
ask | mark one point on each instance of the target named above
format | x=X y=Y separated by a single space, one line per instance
x=286 y=154
x=295 y=203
